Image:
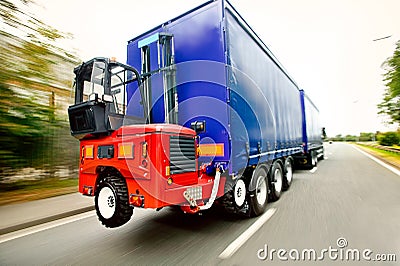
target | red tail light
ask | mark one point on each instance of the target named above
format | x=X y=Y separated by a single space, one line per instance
x=136 y=200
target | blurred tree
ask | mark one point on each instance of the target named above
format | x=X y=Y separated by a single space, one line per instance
x=35 y=69
x=390 y=104
x=338 y=137
x=350 y=138
x=389 y=139
x=367 y=136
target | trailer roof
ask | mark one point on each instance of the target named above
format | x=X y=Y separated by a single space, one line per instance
x=171 y=20
x=258 y=40
x=240 y=20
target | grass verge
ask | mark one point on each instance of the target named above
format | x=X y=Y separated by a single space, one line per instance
x=387 y=156
x=23 y=191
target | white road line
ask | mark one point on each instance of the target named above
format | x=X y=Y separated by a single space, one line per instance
x=45 y=226
x=312 y=171
x=238 y=242
x=391 y=168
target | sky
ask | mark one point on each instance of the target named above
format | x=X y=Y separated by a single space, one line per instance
x=326 y=46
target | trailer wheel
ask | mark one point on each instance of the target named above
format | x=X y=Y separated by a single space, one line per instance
x=276 y=179
x=288 y=173
x=322 y=157
x=259 y=191
x=111 y=201
x=314 y=159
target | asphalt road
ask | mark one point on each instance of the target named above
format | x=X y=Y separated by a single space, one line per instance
x=348 y=196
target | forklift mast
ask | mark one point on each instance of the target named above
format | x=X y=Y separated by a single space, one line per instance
x=101 y=91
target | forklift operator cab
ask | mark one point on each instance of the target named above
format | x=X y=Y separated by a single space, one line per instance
x=100 y=97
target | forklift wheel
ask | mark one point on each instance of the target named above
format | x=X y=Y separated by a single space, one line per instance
x=112 y=206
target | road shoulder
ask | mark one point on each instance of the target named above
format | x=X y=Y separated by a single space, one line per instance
x=23 y=215
x=392 y=162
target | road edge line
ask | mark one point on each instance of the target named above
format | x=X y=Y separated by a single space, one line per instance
x=312 y=171
x=42 y=227
x=52 y=218
x=380 y=162
x=238 y=242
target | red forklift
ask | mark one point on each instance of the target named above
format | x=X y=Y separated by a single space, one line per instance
x=127 y=161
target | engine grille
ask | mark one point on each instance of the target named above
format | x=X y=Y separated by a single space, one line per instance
x=182 y=155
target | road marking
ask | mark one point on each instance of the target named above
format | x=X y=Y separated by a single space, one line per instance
x=391 y=168
x=312 y=171
x=238 y=242
x=45 y=226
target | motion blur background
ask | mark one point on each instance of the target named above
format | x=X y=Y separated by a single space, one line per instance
x=35 y=91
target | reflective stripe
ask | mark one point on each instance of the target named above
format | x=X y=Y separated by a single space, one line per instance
x=211 y=149
x=273 y=152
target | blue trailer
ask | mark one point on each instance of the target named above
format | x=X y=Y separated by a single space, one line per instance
x=313 y=149
x=209 y=71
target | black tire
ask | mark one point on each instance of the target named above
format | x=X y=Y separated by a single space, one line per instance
x=288 y=173
x=314 y=159
x=111 y=201
x=258 y=194
x=235 y=200
x=311 y=161
x=276 y=181
x=322 y=157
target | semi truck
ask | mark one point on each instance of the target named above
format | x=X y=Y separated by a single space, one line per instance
x=202 y=113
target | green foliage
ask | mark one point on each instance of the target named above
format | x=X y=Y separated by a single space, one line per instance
x=338 y=138
x=35 y=71
x=390 y=104
x=366 y=136
x=350 y=138
x=389 y=139
x=362 y=137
